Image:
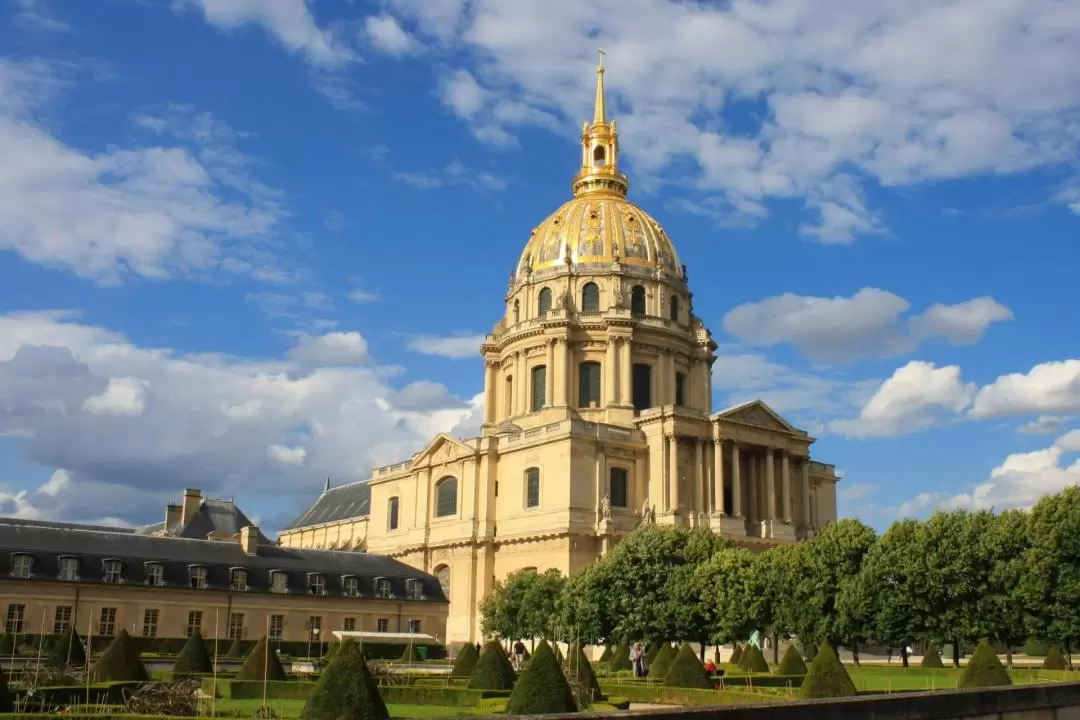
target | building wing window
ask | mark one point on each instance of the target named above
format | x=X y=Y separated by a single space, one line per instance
x=62 y=620
x=238 y=579
x=414 y=626
x=532 y=487
x=236 y=626
x=107 y=622
x=316 y=584
x=589 y=384
x=590 y=298
x=446 y=497
x=194 y=623
x=539 y=387
x=544 y=302
x=350 y=586
x=15 y=623
x=277 y=627
x=314 y=628
x=674 y=309
x=348 y=624
x=680 y=389
x=150 y=622
x=197 y=577
x=619 y=490
x=279 y=582
x=69 y=569
x=414 y=589
x=113 y=571
x=382 y=588
x=155 y=574
x=392 y=513
x=22 y=565
x=637 y=300
x=382 y=625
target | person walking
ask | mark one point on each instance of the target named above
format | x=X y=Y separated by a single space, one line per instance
x=637 y=660
x=519 y=655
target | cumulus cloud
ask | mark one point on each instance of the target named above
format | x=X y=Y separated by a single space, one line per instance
x=387 y=35
x=232 y=426
x=1042 y=425
x=867 y=324
x=832 y=94
x=455 y=173
x=1048 y=388
x=453 y=346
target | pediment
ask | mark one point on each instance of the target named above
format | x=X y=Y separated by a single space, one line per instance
x=442 y=448
x=757 y=414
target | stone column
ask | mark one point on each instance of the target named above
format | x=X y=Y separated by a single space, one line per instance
x=718 y=478
x=752 y=477
x=736 y=481
x=785 y=487
x=660 y=381
x=706 y=372
x=674 y=500
x=490 y=381
x=770 y=483
x=701 y=475
x=559 y=374
x=549 y=375
x=609 y=375
x=520 y=383
x=626 y=373
x=804 y=490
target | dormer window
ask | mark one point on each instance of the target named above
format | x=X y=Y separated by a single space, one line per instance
x=279 y=582
x=414 y=589
x=197 y=577
x=22 y=565
x=155 y=574
x=316 y=584
x=69 y=569
x=112 y=571
x=350 y=586
x=382 y=588
x=238 y=579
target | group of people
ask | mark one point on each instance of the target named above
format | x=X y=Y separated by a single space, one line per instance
x=639 y=662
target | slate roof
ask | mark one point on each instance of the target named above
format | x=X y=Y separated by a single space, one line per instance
x=336 y=503
x=213 y=516
x=47 y=543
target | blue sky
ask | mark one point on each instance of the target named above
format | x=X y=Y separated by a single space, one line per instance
x=249 y=244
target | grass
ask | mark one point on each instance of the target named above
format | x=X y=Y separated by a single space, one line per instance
x=290 y=709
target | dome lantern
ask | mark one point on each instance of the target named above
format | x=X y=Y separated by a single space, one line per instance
x=599 y=172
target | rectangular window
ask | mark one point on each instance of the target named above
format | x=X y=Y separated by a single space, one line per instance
x=350 y=586
x=314 y=627
x=414 y=626
x=239 y=579
x=539 y=387
x=22 y=566
x=414 y=590
x=194 y=622
x=680 y=389
x=589 y=384
x=236 y=626
x=62 y=620
x=16 y=619
x=392 y=514
x=316 y=584
x=279 y=582
x=642 y=386
x=155 y=574
x=532 y=487
x=197 y=577
x=107 y=622
x=113 y=571
x=619 y=489
x=149 y=622
x=382 y=588
x=277 y=627
x=69 y=569
x=382 y=625
x=348 y=624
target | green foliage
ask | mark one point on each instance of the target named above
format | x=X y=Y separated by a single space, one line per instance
x=734 y=593
x=736 y=654
x=660 y=664
x=465 y=661
x=580 y=671
x=542 y=687
x=6 y=704
x=261 y=662
x=7 y=644
x=605 y=656
x=932 y=657
x=1002 y=611
x=752 y=661
x=581 y=606
x=792 y=663
x=493 y=670
x=652 y=650
x=66 y=651
x=827 y=677
x=557 y=652
x=1034 y=647
x=345 y=690
x=1052 y=582
x=194 y=658
x=620 y=659
x=686 y=671
x=1055 y=659
x=984 y=669
x=236 y=650
x=119 y=662
x=889 y=569
x=411 y=655
x=523 y=605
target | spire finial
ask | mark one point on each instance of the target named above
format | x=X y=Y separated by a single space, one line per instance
x=326 y=487
x=600 y=112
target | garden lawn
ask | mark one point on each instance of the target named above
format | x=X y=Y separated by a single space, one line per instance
x=290 y=709
x=897 y=679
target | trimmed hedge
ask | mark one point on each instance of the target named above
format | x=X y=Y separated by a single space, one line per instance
x=652 y=650
x=736 y=654
x=120 y=662
x=66 y=650
x=111 y=693
x=761 y=681
x=7 y=644
x=792 y=663
x=827 y=677
x=236 y=650
x=346 y=689
x=5 y=694
x=1034 y=647
x=660 y=695
x=620 y=658
x=605 y=657
x=686 y=671
x=493 y=670
x=752 y=661
x=441 y=696
x=465 y=661
x=984 y=669
x=542 y=688
x=410 y=655
x=932 y=657
x=194 y=658
x=580 y=670
x=261 y=663
x=1055 y=659
x=659 y=665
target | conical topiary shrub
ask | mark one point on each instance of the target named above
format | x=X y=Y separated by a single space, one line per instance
x=6 y=705
x=345 y=689
x=686 y=671
x=984 y=669
x=236 y=650
x=652 y=650
x=659 y=666
x=752 y=661
x=121 y=661
x=1055 y=659
x=932 y=657
x=736 y=654
x=493 y=670
x=66 y=651
x=410 y=654
x=542 y=688
x=261 y=662
x=580 y=674
x=827 y=677
x=791 y=665
x=465 y=661
x=605 y=657
x=194 y=658
x=7 y=644
x=620 y=658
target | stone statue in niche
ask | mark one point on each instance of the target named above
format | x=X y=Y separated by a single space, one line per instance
x=605 y=507
x=647 y=513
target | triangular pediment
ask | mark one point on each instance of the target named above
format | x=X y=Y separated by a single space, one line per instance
x=441 y=449
x=757 y=414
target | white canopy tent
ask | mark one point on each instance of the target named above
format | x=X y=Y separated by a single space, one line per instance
x=386 y=637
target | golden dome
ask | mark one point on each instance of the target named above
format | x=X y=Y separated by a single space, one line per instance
x=599 y=225
x=599 y=229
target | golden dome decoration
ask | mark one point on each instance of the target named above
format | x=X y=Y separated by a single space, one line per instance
x=599 y=225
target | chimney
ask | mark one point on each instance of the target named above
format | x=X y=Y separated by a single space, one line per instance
x=192 y=501
x=249 y=540
x=172 y=517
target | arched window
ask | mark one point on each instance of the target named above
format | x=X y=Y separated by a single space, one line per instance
x=675 y=308
x=637 y=300
x=590 y=298
x=619 y=488
x=598 y=155
x=532 y=487
x=392 y=513
x=446 y=497
x=539 y=387
x=680 y=389
x=517 y=311
x=589 y=384
x=544 y=302
x=442 y=574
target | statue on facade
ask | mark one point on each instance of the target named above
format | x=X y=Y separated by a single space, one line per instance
x=647 y=513
x=605 y=507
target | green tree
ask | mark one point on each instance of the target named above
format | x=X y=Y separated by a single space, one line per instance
x=540 y=608
x=733 y=594
x=584 y=607
x=1052 y=582
x=1001 y=612
x=345 y=690
x=889 y=577
x=523 y=605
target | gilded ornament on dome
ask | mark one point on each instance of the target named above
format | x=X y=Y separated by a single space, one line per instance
x=591 y=235
x=634 y=237
x=550 y=249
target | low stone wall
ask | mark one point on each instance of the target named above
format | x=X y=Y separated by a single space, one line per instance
x=1058 y=701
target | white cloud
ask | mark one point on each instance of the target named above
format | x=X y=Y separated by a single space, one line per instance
x=122 y=396
x=1048 y=388
x=453 y=346
x=1042 y=425
x=847 y=92
x=387 y=35
x=867 y=324
x=363 y=297
x=208 y=420
x=454 y=173
x=912 y=399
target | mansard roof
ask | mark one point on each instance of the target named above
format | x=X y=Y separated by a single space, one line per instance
x=335 y=504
